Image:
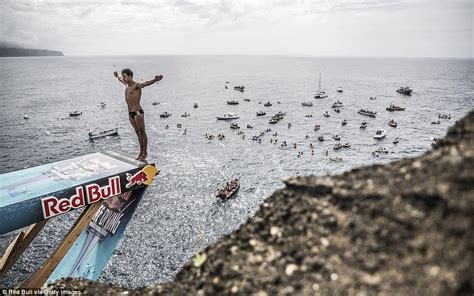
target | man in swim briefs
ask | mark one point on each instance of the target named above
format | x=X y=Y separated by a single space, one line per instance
x=133 y=94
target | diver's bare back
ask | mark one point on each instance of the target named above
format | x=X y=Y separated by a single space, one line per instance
x=133 y=95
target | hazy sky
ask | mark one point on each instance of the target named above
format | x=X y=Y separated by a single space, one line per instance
x=414 y=28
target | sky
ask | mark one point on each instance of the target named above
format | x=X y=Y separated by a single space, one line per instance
x=379 y=28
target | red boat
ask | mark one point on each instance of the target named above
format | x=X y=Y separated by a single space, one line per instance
x=229 y=190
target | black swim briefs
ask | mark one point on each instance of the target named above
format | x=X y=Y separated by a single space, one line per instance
x=134 y=113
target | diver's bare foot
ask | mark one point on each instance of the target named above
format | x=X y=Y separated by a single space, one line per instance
x=139 y=156
x=143 y=157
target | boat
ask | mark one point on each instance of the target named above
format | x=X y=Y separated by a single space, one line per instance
x=404 y=90
x=392 y=123
x=307 y=104
x=155 y=103
x=336 y=137
x=267 y=104
x=363 y=124
x=444 y=116
x=234 y=126
x=337 y=104
x=346 y=145
x=226 y=87
x=392 y=107
x=229 y=190
x=381 y=150
x=165 y=115
x=228 y=116
x=336 y=159
x=249 y=126
x=25 y=116
x=367 y=112
x=75 y=113
x=185 y=115
x=239 y=88
x=321 y=138
x=320 y=94
x=339 y=90
x=112 y=132
x=233 y=102
x=436 y=122
x=326 y=114
x=344 y=122
x=337 y=110
x=261 y=113
x=247 y=100
x=337 y=146
x=317 y=127
x=380 y=134
x=396 y=140
x=373 y=98
x=435 y=140
x=102 y=104
x=196 y=105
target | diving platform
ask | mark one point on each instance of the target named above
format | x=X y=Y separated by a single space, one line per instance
x=108 y=185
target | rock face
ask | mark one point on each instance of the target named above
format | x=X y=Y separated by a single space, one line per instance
x=26 y=52
x=397 y=229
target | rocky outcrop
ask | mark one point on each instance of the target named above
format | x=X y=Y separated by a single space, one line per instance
x=400 y=228
x=26 y=52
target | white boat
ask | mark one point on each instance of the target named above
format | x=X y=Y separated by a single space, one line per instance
x=380 y=134
x=339 y=89
x=112 y=132
x=326 y=114
x=320 y=94
x=397 y=139
x=337 y=159
x=75 y=113
x=337 y=104
x=363 y=124
x=25 y=116
x=165 y=115
x=228 y=116
x=307 y=104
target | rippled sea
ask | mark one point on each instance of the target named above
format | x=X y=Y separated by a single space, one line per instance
x=179 y=215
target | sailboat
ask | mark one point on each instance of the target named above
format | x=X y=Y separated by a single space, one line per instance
x=320 y=94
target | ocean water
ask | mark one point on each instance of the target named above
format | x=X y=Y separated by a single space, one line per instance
x=180 y=215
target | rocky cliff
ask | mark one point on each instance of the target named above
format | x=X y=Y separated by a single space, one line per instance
x=401 y=228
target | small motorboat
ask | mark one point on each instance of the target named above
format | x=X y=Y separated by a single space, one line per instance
x=337 y=146
x=226 y=87
x=380 y=134
x=234 y=126
x=267 y=104
x=233 y=102
x=185 y=114
x=373 y=98
x=392 y=123
x=261 y=113
x=339 y=90
x=337 y=110
x=307 y=104
x=273 y=121
x=444 y=116
x=396 y=140
x=239 y=88
x=346 y=145
x=337 y=104
x=112 y=132
x=321 y=138
x=381 y=150
x=228 y=116
x=249 y=126
x=165 y=115
x=102 y=104
x=155 y=103
x=196 y=105
x=363 y=124
x=404 y=90
x=229 y=190
x=75 y=113
x=367 y=112
x=247 y=100
x=393 y=107
x=317 y=127
x=25 y=116
x=336 y=137
x=326 y=114
x=436 y=122
x=336 y=159
x=344 y=122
